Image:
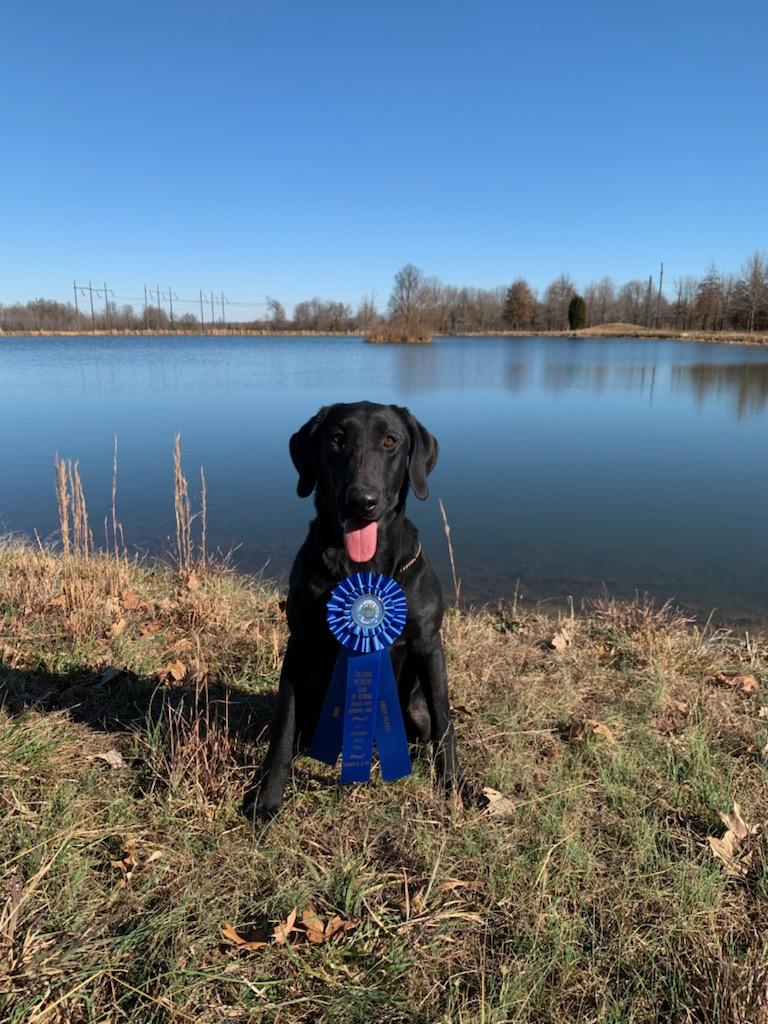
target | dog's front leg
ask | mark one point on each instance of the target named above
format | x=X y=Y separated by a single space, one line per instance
x=277 y=763
x=434 y=680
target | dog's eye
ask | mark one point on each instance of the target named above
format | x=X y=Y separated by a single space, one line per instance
x=338 y=440
x=389 y=441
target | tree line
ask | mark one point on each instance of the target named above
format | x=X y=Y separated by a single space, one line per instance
x=716 y=301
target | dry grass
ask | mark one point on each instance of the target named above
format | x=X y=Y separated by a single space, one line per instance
x=596 y=898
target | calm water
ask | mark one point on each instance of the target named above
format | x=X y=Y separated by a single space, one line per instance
x=569 y=466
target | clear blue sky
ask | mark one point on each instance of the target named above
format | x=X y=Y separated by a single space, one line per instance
x=304 y=148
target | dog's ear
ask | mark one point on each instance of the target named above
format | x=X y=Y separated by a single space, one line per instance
x=422 y=454
x=304 y=455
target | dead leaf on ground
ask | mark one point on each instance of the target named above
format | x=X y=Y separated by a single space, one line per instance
x=150 y=628
x=745 y=681
x=117 y=628
x=228 y=932
x=130 y=601
x=563 y=638
x=59 y=601
x=113 y=758
x=577 y=728
x=128 y=862
x=733 y=847
x=282 y=931
x=174 y=670
x=499 y=806
x=313 y=925
x=678 y=705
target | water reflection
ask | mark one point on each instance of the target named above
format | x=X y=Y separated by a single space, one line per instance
x=564 y=376
x=746 y=384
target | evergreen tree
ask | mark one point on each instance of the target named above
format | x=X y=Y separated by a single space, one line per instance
x=577 y=313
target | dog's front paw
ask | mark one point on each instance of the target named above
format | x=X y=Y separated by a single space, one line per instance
x=261 y=805
x=468 y=796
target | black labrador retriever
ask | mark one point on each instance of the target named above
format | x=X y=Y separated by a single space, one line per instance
x=360 y=460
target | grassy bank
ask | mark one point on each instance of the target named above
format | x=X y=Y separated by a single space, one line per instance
x=131 y=889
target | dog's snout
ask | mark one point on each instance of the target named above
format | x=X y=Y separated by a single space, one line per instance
x=362 y=501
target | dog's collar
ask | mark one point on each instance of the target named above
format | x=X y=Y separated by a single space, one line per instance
x=411 y=562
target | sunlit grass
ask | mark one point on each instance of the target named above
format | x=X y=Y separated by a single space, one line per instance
x=596 y=899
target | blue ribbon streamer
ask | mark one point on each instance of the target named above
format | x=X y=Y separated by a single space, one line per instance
x=366 y=613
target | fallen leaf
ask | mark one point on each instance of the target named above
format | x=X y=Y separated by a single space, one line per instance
x=175 y=670
x=313 y=926
x=732 y=848
x=113 y=758
x=282 y=931
x=454 y=883
x=563 y=638
x=228 y=932
x=602 y=730
x=59 y=601
x=130 y=600
x=117 y=628
x=736 y=823
x=128 y=862
x=335 y=925
x=499 y=806
x=678 y=705
x=150 y=628
x=576 y=729
x=746 y=682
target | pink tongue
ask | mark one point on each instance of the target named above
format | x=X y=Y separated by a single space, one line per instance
x=360 y=541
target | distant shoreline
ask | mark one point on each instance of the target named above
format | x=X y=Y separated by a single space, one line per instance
x=608 y=331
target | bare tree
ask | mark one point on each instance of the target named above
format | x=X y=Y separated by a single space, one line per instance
x=556 y=300
x=276 y=313
x=754 y=288
x=600 y=297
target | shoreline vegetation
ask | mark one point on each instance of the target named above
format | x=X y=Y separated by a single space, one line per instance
x=615 y=868
x=399 y=336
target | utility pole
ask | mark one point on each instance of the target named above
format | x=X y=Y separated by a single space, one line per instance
x=658 y=298
x=77 y=308
x=159 y=307
x=93 y=315
x=106 y=307
x=146 y=314
x=202 y=316
x=170 y=302
x=223 y=314
x=213 y=312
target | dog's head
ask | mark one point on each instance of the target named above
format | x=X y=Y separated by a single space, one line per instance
x=361 y=458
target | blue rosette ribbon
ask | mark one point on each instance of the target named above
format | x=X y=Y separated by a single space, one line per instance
x=366 y=614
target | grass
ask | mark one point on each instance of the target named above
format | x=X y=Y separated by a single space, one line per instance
x=594 y=898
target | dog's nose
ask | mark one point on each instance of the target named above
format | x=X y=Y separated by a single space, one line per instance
x=362 y=501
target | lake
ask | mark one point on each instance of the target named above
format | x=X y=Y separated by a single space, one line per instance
x=567 y=467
